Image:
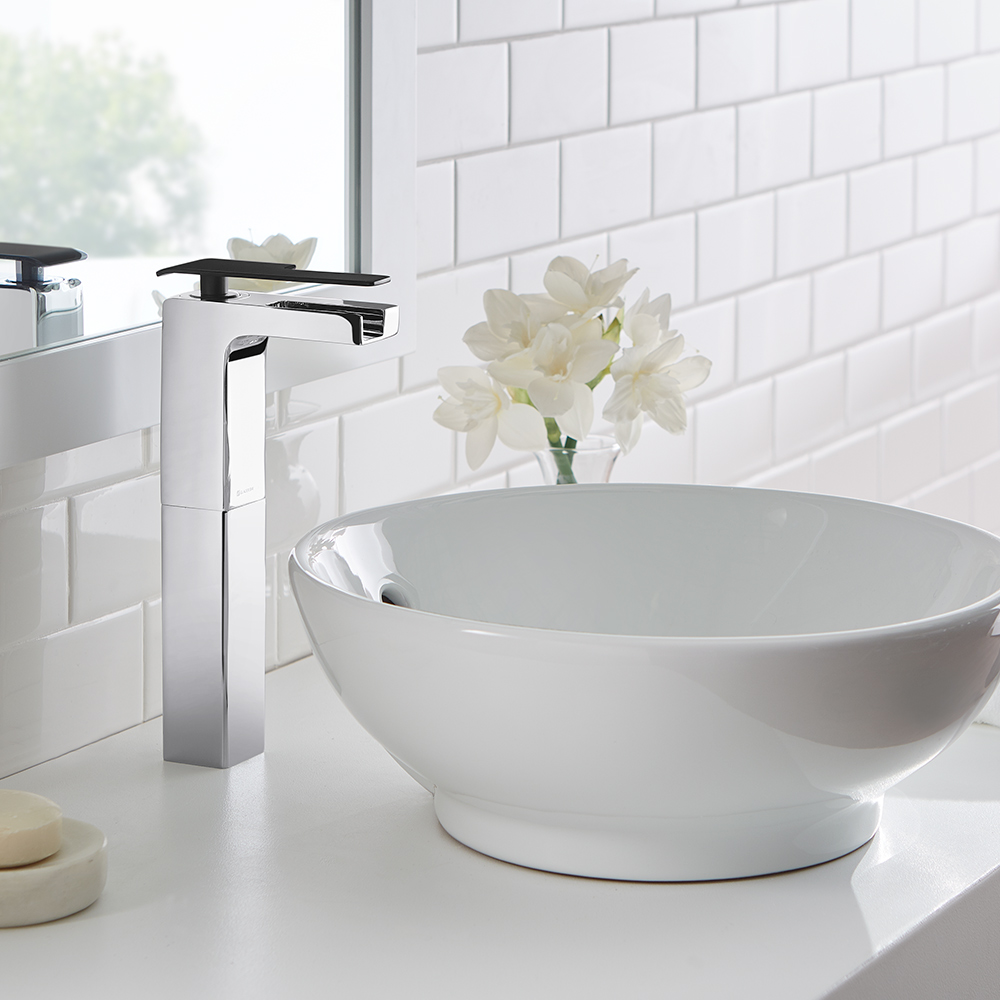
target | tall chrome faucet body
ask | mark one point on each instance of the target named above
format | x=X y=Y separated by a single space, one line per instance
x=212 y=493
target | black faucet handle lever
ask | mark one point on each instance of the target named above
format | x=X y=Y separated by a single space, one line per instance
x=32 y=257
x=213 y=272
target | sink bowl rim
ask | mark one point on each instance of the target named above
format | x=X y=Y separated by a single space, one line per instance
x=299 y=558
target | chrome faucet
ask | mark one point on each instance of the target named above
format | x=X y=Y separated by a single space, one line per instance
x=36 y=310
x=212 y=490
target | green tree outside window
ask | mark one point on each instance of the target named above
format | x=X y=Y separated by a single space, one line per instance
x=93 y=152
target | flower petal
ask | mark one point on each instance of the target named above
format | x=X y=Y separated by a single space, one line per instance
x=522 y=427
x=278 y=246
x=239 y=248
x=479 y=442
x=624 y=402
x=591 y=359
x=602 y=286
x=579 y=418
x=551 y=396
x=452 y=377
x=670 y=413
x=690 y=372
x=518 y=370
x=664 y=355
x=629 y=362
x=453 y=416
x=503 y=308
x=544 y=309
x=302 y=252
x=627 y=433
x=585 y=330
x=571 y=267
x=660 y=308
x=565 y=290
x=485 y=343
x=643 y=328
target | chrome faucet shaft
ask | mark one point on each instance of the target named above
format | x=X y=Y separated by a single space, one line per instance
x=213 y=505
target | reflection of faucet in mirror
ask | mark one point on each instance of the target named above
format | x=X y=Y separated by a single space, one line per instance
x=34 y=310
x=212 y=491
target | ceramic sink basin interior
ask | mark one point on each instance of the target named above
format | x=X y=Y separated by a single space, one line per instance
x=655 y=682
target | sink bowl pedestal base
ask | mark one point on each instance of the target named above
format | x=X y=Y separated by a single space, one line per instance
x=661 y=849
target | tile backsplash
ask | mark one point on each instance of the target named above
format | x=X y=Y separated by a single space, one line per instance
x=816 y=182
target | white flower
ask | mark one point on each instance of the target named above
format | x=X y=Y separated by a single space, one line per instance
x=480 y=407
x=275 y=249
x=511 y=323
x=571 y=283
x=646 y=323
x=555 y=371
x=653 y=381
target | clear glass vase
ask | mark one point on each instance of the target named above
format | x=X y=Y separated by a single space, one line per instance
x=591 y=461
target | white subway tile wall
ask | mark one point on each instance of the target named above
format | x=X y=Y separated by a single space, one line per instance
x=846 y=302
x=914 y=111
x=989 y=25
x=462 y=118
x=606 y=179
x=772 y=327
x=848 y=129
x=813 y=43
x=735 y=246
x=816 y=182
x=947 y=29
x=558 y=85
x=438 y=24
x=736 y=56
x=694 y=160
x=812 y=224
x=775 y=142
x=652 y=70
x=883 y=36
x=881 y=205
x=436 y=215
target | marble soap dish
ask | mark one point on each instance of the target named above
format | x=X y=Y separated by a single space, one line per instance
x=50 y=866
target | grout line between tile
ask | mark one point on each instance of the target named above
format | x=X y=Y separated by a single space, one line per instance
x=509 y=64
x=607 y=77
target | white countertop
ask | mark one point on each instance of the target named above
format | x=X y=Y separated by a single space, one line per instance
x=319 y=870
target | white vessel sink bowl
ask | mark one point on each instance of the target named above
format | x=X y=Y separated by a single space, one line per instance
x=655 y=682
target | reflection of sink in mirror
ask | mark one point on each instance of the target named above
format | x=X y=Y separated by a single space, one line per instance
x=655 y=682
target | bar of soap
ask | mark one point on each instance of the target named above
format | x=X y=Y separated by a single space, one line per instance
x=30 y=828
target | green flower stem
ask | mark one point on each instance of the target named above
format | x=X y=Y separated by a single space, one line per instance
x=562 y=453
x=564 y=463
x=552 y=429
x=599 y=377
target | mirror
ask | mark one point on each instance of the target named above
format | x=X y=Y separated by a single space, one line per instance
x=105 y=384
x=143 y=137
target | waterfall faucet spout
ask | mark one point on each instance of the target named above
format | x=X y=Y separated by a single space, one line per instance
x=212 y=490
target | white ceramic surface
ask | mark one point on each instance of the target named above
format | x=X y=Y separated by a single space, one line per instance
x=655 y=682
